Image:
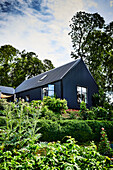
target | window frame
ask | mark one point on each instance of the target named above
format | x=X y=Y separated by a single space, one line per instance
x=47 y=88
x=85 y=94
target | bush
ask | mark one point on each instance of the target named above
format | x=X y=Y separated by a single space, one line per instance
x=71 y=156
x=56 y=156
x=96 y=126
x=53 y=131
x=104 y=145
x=58 y=106
x=3 y=103
x=82 y=131
x=100 y=113
x=19 y=129
x=85 y=113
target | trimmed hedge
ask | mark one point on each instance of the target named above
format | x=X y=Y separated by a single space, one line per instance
x=82 y=131
x=96 y=129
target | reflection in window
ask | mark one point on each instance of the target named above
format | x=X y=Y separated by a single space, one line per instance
x=81 y=94
x=48 y=91
x=27 y=98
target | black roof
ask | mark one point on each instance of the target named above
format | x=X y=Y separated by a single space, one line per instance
x=7 y=90
x=46 y=77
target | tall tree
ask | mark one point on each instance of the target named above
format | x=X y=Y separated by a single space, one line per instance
x=7 y=55
x=92 y=40
x=82 y=25
x=17 y=66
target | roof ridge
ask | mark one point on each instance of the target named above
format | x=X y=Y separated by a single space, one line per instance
x=75 y=63
x=48 y=71
x=53 y=75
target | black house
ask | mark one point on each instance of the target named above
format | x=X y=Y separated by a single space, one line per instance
x=72 y=82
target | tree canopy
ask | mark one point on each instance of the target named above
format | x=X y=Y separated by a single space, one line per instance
x=92 y=40
x=16 y=66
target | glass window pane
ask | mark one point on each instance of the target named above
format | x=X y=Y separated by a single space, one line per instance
x=78 y=94
x=83 y=90
x=51 y=93
x=51 y=87
x=81 y=94
x=78 y=89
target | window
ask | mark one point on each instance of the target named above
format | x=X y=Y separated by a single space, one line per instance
x=42 y=78
x=48 y=91
x=27 y=98
x=81 y=94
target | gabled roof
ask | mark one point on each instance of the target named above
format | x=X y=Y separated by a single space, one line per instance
x=7 y=90
x=46 y=78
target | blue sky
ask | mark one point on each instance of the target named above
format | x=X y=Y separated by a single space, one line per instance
x=42 y=26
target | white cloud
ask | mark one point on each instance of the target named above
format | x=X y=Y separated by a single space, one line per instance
x=91 y=3
x=48 y=39
x=31 y=33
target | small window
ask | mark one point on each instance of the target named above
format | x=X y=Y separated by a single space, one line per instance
x=48 y=91
x=81 y=94
x=27 y=98
x=42 y=78
x=51 y=90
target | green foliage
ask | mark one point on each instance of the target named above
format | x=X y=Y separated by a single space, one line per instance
x=50 y=108
x=19 y=129
x=3 y=103
x=69 y=155
x=53 y=131
x=104 y=145
x=17 y=66
x=100 y=113
x=96 y=125
x=85 y=113
x=81 y=130
x=92 y=40
x=57 y=156
x=58 y=106
x=19 y=136
x=97 y=113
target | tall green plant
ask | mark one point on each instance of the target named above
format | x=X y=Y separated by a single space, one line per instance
x=104 y=145
x=20 y=129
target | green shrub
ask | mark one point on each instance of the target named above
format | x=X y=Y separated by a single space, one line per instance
x=77 y=129
x=50 y=130
x=82 y=131
x=104 y=145
x=53 y=131
x=100 y=113
x=3 y=103
x=56 y=156
x=69 y=155
x=96 y=126
x=85 y=113
x=19 y=129
x=56 y=105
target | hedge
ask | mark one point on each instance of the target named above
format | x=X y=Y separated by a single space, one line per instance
x=96 y=128
x=82 y=131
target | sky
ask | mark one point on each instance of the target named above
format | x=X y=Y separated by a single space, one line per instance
x=42 y=26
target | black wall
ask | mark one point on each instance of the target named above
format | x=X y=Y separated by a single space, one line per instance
x=36 y=94
x=78 y=76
